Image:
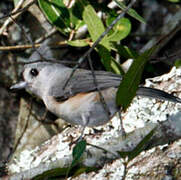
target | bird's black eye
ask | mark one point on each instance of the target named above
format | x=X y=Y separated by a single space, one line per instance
x=34 y=72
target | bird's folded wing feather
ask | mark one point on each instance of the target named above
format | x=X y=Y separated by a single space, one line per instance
x=83 y=81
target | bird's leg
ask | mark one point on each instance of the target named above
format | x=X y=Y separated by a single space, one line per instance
x=80 y=138
x=123 y=132
x=85 y=119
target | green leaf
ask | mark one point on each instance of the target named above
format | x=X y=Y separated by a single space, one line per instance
x=78 y=151
x=76 y=15
x=178 y=63
x=108 y=61
x=120 y=30
x=94 y=24
x=139 y=148
x=131 y=12
x=78 y=8
x=124 y=51
x=96 y=28
x=56 y=12
x=84 y=170
x=105 y=56
x=60 y=173
x=115 y=67
x=129 y=85
x=51 y=173
x=79 y=43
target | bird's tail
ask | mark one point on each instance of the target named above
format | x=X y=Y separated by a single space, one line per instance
x=156 y=93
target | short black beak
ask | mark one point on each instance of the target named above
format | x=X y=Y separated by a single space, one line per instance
x=20 y=85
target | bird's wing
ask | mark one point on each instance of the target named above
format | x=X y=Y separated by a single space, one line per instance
x=83 y=81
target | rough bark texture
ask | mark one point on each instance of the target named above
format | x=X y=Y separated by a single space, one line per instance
x=161 y=159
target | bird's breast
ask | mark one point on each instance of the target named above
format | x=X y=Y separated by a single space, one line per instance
x=83 y=104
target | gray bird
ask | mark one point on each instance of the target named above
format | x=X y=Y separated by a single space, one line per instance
x=79 y=103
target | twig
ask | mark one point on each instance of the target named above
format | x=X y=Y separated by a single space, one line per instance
x=98 y=40
x=105 y=107
x=18 y=47
x=176 y=55
x=27 y=37
x=105 y=150
x=17 y=10
x=125 y=169
x=27 y=46
x=23 y=31
x=15 y=13
x=168 y=31
x=48 y=60
x=50 y=33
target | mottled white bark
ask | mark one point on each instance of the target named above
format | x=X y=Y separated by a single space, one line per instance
x=143 y=115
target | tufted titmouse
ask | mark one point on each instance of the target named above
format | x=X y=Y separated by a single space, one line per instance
x=79 y=103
